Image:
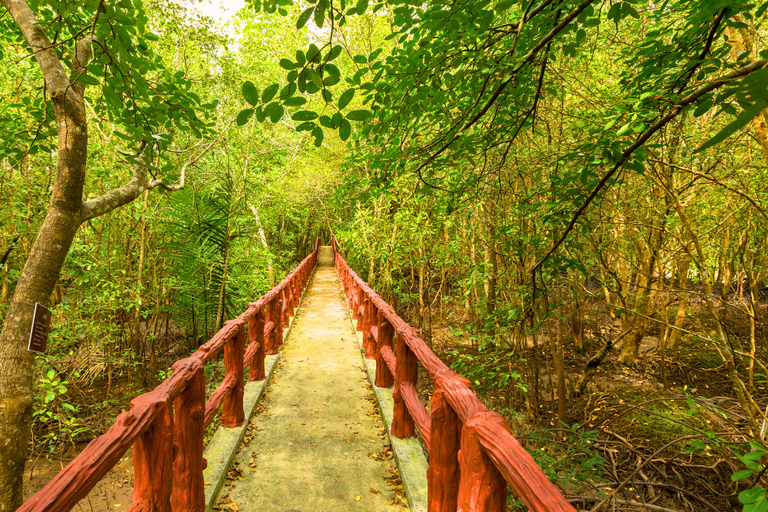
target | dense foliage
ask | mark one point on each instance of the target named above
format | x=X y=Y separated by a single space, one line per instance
x=531 y=183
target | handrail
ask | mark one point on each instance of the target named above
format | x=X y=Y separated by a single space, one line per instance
x=473 y=456
x=165 y=426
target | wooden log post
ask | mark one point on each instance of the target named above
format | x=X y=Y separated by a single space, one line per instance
x=384 y=377
x=232 y=414
x=189 y=407
x=280 y=319
x=153 y=463
x=291 y=289
x=369 y=320
x=407 y=370
x=256 y=336
x=443 y=474
x=482 y=487
x=285 y=301
x=270 y=328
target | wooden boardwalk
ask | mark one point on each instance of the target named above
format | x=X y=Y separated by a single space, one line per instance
x=311 y=439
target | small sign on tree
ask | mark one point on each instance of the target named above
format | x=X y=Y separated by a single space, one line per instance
x=41 y=324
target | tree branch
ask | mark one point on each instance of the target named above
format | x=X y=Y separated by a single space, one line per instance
x=139 y=182
x=643 y=138
x=53 y=72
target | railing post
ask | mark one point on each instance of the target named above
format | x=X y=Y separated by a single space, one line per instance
x=443 y=474
x=273 y=321
x=369 y=315
x=482 y=487
x=232 y=414
x=384 y=377
x=256 y=335
x=406 y=371
x=285 y=304
x=153 y=465
x=188 y=489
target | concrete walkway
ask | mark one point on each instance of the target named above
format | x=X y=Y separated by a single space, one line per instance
x=312 y=437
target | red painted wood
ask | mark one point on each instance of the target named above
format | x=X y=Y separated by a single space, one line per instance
x=216 y=399
x=150 y=420
x=77 y=479
x=189 y=407
x=406 y=372
x=285 y=312
x=416 y=410
x=384 y=377
x=270 y=330
x=482 y=487
x=488 y=438
x=232 y=414
x=153 y=465
x=443 y=474
x=369 y=317
x=389 y=359
x=518 y=467
x=255 y=354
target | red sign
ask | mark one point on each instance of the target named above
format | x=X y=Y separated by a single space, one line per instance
x=38 y=334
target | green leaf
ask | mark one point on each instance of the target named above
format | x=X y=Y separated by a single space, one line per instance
x=624 y=129
x=111 y=96
x=360 y=59
x=244 y=116
x=88 y=80
x=751 y=495
x=269 y=93
x=320 y=13
x=315 y=76
x=345 y=98
x=361 y=7
x=51 y=374
x=304 y=17
x=745 y=117
x=312 y=52
x=740 y=475
x=702 y=108
x=306 y=126
x=49 y=396
x=317 y=133
x=359 y=115
x=345 y=129
x=304 y=115
x=276 y=114
x=288 y=64
x=331 y=80
x=250 y=93
x=296 y=101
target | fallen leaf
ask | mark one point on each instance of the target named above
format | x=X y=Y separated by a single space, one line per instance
x=374 y=491
x=358 y=498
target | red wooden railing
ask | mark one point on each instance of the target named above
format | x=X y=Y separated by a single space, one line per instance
x=165 y=426
x=472 y=454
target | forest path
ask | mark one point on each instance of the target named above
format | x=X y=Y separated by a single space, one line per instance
x=318 y=422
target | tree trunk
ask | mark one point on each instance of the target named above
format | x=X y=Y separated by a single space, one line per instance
x=674 y=339
x=222 y=289
x=41 y=271
x=263 y=239
x=138 y=344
